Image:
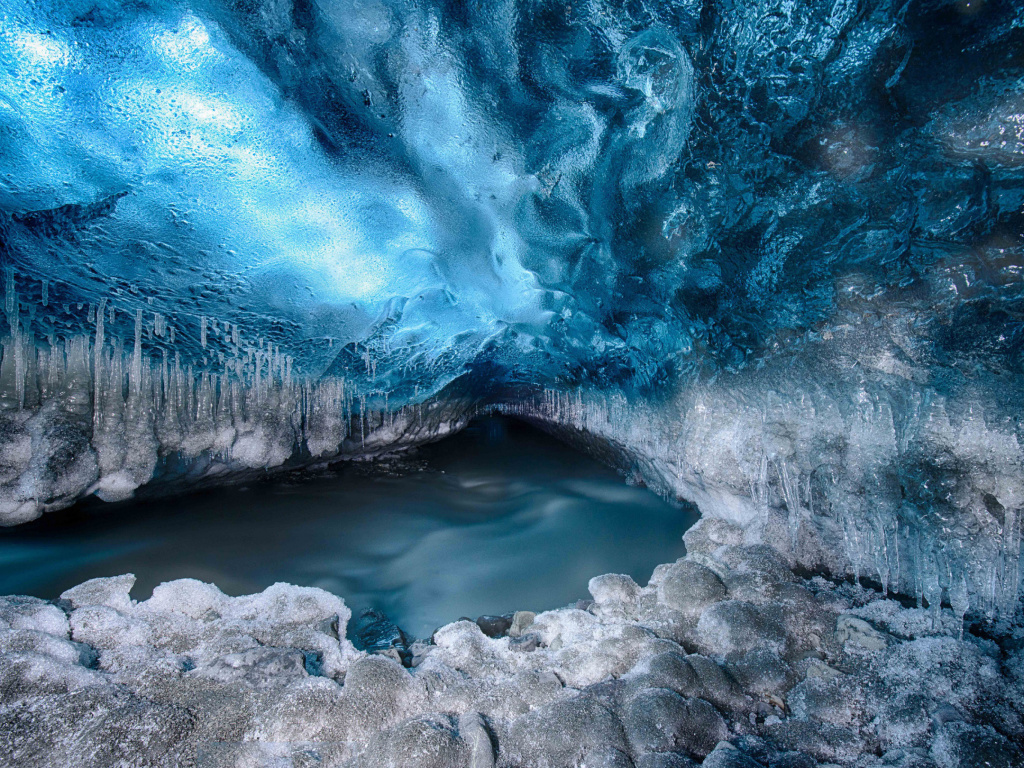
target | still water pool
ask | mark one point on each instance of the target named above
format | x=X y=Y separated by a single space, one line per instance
x=498 y=518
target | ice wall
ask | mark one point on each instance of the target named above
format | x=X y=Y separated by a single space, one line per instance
x=786 y=235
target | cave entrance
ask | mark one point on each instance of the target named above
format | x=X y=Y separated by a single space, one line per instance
x=497 y=518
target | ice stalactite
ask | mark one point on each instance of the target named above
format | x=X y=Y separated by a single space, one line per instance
x=90 y=413
x=856 y=516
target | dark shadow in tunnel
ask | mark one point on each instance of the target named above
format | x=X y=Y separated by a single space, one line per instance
x=497 y=518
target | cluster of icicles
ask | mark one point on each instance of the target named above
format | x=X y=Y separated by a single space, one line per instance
x=139 y=403
x=951 y=564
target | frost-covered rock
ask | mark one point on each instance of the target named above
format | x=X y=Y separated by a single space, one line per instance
x=271 y=677
x=734 y=628
x=689 y=587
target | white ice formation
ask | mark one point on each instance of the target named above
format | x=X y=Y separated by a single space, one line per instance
x=725 y=657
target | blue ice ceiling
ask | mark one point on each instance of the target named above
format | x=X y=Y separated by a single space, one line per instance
x=621 y=192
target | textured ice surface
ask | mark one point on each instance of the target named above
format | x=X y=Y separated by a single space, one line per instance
x=837 y=675
x=241 y=236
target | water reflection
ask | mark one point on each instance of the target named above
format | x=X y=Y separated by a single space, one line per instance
x=498 y=518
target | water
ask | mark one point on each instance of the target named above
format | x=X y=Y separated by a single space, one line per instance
x=498 y=518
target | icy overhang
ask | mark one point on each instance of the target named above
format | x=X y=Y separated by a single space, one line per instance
x=243 y=236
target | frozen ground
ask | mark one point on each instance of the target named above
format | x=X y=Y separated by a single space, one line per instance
x=724 y=658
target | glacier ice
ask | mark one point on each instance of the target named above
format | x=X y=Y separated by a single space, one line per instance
x=764 y=255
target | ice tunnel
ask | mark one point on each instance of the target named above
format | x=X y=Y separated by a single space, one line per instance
x=762 y=257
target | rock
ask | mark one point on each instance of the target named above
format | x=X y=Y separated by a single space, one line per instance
x=725 y=755
x=827 y=701
x=29 y=641
x=710 y=534
x=857 y=632
x=660 y=720
x=945 y=713
x=18 y=612
x=911 y=757
x=733 y=628
x=664 y=760
x=809 y=626
x=960 y=745
x=583 y=730
x=600 y=691
x=474 y=732
x=189 y=597
x=692 y=676
x=689 y=588
x=26 y=676
x=765 y=565
x=819 y=669
x=374 y=632
x=257 y=668
x=463 y=647
x=427 y=741
x=822 y=741
x=107 y=628
x=793 y=760
x=520 y=621
x=524 y=643
x=419 y=651
x=310 y=709
x=111 y=592
x=716 y=685
x=615 y=596
x=494 y=626
x=762 y=672
x=378 y=692
x=667 y=670
x=111 y=728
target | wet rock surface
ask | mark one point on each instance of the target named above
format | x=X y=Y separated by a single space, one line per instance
x=701 y=666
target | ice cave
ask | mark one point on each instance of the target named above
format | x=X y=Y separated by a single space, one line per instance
x=512 y=384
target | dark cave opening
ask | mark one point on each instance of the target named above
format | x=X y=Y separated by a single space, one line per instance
x=496 y=518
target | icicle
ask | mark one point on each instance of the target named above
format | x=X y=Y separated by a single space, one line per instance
x=9 y=295
x=46 y=293
x=14 y=313
x=362 y=420
x=932 y=588
x=883 y=561
x=960 y=601
x=1011 y=562
x=135 y=378
x=97 y=364
x=896 y=544
x=791 y=496
x=202 y=331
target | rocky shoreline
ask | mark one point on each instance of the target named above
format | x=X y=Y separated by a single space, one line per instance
x=726 y=659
